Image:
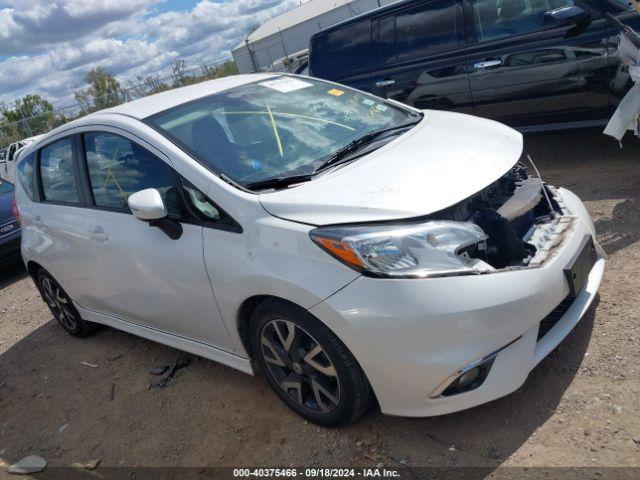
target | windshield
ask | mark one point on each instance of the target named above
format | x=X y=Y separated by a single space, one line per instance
x=5 y=187
x=281 y=127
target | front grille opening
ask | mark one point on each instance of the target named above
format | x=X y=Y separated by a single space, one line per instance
x=554 y=317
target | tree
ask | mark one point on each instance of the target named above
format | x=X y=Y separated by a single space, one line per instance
x=31 y=115
x=178 y=72
x=104 y=91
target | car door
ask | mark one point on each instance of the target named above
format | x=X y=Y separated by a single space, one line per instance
x=419 y=55
x=57 y=220
x=527 y=73
x=140 y=274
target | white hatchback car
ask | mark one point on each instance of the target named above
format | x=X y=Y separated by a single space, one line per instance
x=344 y=245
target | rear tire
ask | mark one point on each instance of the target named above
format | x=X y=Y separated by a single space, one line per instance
x=307 y=365
x=62 y=307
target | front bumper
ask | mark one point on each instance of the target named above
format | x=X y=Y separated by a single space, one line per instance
x=410 y=335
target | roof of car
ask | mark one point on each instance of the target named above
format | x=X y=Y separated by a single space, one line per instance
x=363 y=16
x=147 y=106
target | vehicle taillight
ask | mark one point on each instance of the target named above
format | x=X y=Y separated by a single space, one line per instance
x=14 y=208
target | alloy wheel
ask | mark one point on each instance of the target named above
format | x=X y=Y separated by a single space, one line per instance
x=59 y=304
x=300 y=366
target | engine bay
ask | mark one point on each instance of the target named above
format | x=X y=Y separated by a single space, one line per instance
x=521 y=216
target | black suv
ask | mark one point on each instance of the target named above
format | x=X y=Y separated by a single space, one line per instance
x=532 y=64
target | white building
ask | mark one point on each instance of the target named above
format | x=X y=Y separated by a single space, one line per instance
x=290 y=32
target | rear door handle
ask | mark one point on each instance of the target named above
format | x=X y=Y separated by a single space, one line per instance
x=488 y=63
x=385 y=83
x=98 y=235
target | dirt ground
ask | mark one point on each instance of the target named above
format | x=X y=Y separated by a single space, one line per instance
x=579 y=407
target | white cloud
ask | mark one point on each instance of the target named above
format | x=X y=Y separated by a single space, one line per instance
x=50 y=45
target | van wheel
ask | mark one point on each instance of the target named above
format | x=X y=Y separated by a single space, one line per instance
x=307 y=366
x=62 y=307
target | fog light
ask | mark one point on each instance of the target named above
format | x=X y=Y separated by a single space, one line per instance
x=469 y=377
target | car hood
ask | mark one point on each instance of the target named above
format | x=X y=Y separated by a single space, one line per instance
x=446 y=158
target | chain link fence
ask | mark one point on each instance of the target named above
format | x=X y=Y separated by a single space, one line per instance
x=180 y=76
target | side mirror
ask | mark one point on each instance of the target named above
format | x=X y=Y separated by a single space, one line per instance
x=566 y=16
x=148 y=206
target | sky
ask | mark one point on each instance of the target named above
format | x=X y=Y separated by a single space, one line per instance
x=47 y=46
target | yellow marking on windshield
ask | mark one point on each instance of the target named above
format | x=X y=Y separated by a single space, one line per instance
x=275 y=130
x=115 y=180
x=285 y=114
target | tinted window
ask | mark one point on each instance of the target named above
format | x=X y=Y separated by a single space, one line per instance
x=425 y=29
x=58 y=172
x=119 y=167
x=280 y=127
x=417 y=32
x=341 y=51
x=504 y=18
x=25 y=174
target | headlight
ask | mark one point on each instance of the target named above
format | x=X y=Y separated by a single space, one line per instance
x=433 y=248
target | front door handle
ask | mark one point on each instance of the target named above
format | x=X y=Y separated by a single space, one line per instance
x=385 y=83
x=488 y=63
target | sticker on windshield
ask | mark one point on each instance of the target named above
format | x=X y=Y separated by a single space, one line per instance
x=286 y=84
x=381 y=108
x=335 y=92
x=368 y=102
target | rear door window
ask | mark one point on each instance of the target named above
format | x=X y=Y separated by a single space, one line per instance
x=343 y=50
x=413 y=33
x=57 y=172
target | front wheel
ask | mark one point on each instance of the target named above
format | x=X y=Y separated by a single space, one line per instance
x=62 y=307
x=307 y=366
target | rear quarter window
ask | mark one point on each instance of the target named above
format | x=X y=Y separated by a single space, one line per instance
x=25 y=175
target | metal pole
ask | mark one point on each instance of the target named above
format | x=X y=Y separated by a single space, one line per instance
x=253 y=60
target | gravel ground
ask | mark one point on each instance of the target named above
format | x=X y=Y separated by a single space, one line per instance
x=579 y=407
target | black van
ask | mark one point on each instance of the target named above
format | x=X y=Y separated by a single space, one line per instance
x=532 y=64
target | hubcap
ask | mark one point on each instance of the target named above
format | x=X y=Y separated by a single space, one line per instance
x=58 y=303
x=300 y=366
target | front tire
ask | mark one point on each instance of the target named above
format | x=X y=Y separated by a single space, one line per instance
x=307 y=365
x=62 y=307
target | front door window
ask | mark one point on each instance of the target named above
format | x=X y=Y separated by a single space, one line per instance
x=496 y=19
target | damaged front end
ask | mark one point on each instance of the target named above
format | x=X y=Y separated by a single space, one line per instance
x=523 y=218
x=516 y=222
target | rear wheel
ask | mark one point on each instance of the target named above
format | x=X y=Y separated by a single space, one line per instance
x=62 y=307
x=309 y=368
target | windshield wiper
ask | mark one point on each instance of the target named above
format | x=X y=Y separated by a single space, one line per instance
x=277 y=182
x=344 y=153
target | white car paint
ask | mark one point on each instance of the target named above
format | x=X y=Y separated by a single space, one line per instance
x=408 y=335
x=408 y=177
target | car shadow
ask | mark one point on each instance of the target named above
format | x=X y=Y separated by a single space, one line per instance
x=72 y=400
x=12 y=273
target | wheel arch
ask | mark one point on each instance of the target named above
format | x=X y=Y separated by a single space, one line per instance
x=245 y=312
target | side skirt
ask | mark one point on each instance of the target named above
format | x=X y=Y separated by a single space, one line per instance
x=175 y=341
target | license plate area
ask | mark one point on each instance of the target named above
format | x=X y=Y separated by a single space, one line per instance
x=580 y=265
